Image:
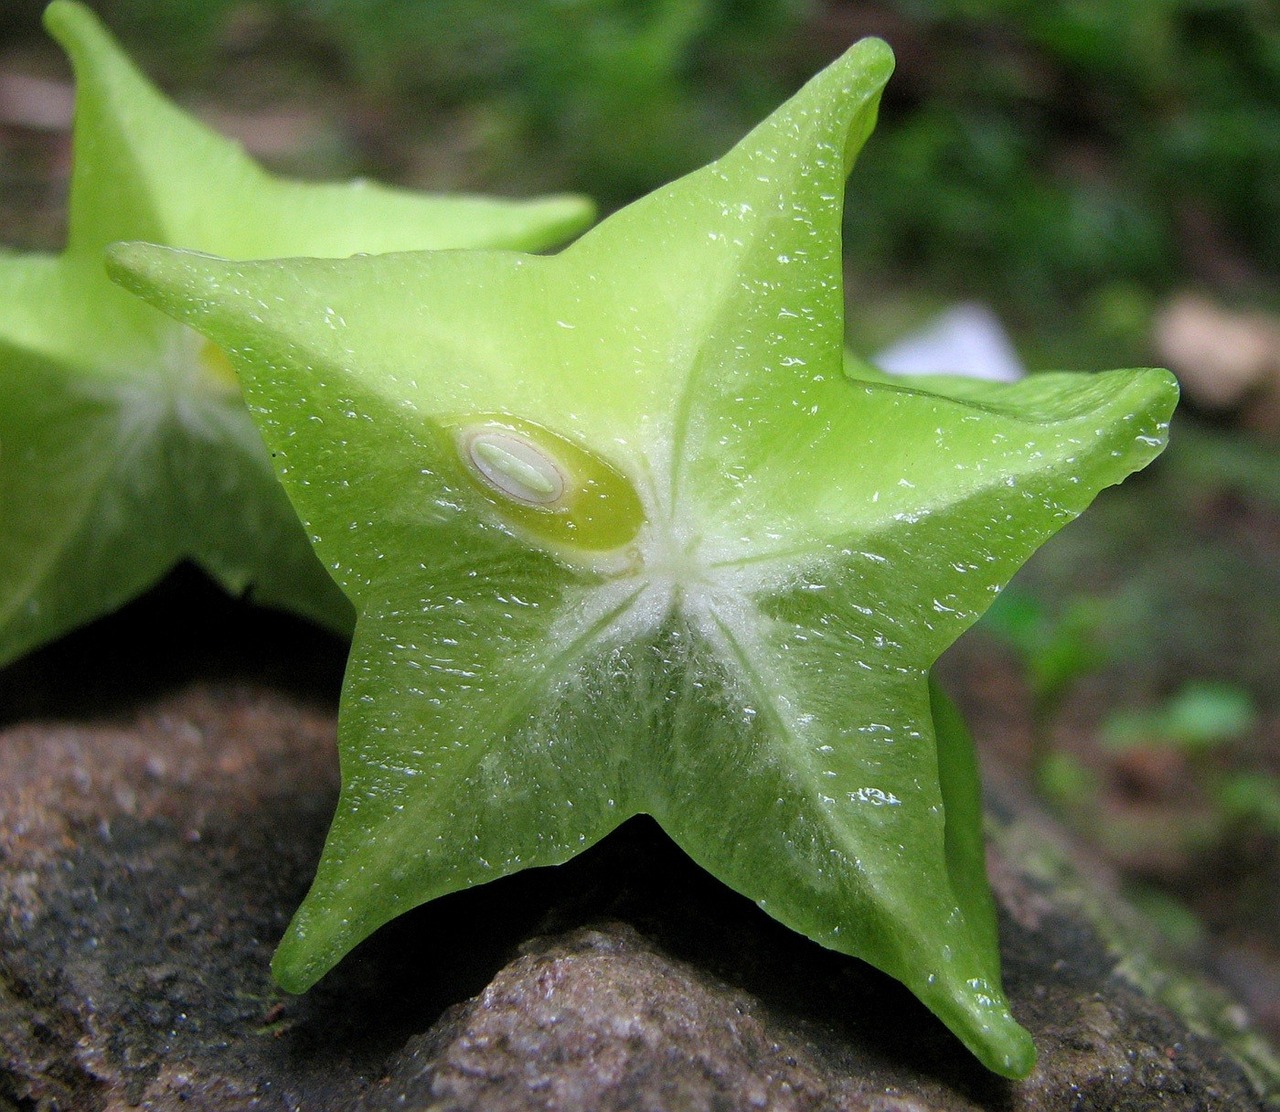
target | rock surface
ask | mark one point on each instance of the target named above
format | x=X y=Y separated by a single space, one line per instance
x=157 y=832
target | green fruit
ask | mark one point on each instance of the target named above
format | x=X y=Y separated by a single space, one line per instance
x=124 y=444
x=801 y=544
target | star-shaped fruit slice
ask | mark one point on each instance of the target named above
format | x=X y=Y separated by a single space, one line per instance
x=125 y=446
x=625 y=538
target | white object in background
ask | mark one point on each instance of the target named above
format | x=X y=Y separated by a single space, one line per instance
x=967 y=340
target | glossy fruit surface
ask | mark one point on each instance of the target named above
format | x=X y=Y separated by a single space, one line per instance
x=124 y=444
x=750 y=664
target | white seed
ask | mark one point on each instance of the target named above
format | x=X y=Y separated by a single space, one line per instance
x=514 y=467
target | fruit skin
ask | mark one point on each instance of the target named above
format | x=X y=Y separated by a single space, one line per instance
x=752 y=667
x=125 y=445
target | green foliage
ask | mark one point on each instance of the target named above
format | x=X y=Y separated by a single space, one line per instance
x=1056 y=650
x=1208 y=721
x=1044 y=151
x=621 y=94
x=614 y=95
x=1066 y=781
x=1212 y=461
x=1042 y=155
x=1201 y=717
x=1250 y=800
x=1177 y=922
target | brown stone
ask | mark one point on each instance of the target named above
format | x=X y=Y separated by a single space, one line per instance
x=156 y=837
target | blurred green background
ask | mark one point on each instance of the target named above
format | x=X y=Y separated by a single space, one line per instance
x=1080 y=166
x=1074 y=158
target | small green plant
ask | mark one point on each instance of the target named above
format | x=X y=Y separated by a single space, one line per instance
x=1172 y=781
x=624 y=536
x=1056 y=650
x=1198 y=719
x=126 y=445
x=1202 y=722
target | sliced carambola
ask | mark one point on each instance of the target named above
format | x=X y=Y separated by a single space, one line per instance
x=625 y=538
x=125 y=446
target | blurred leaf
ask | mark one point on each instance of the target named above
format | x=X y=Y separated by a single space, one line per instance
x=1251 y=797
x=1066 y=780
x=1055 y=650
x=1203 y=715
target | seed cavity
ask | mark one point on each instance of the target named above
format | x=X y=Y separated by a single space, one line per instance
x=550 y=489
x=516 y=468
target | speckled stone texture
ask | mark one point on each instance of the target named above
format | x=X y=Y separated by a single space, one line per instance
x=165 y=783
